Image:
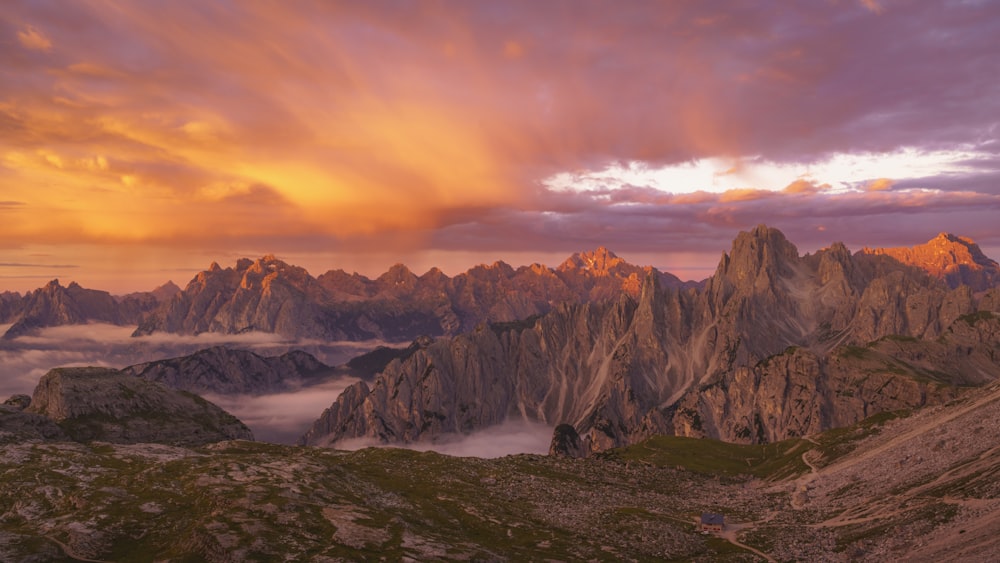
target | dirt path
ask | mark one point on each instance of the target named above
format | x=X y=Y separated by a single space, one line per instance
x=800 y=495
x=732 y=530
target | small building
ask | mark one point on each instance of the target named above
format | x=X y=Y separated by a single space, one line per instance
x=711 y=522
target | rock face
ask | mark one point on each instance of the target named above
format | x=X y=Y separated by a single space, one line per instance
x=269 y=295
x=99 y=404
x=566 y=442
x=224 y=371
x=956 y=260
x=774 y=345
x=17 y=425
x=55 y=305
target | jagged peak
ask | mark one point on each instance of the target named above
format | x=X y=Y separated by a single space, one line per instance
x=599 y=260
x=498 y=267
x=434 y=273
x=759 y=248
x=398 y=269
x=166 y=291
x=397 y=274
x=538 y=270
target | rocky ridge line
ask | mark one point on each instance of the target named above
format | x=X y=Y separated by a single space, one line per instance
x=775 y=345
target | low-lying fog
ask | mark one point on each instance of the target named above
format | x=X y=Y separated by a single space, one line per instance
x=280 y=418
x=511 y=437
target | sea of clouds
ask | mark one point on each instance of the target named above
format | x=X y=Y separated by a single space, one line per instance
x=280 y=417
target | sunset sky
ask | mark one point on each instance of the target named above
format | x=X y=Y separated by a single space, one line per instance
x=140 y=141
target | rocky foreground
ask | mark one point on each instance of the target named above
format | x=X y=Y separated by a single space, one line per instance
x=904 y=486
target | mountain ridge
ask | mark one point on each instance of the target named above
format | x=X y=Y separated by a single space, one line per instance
x=622 y=370
x=397 y=305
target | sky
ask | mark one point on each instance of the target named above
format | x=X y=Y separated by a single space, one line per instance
x=142 y=140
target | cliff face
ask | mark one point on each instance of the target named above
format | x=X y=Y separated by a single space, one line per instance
x=712 y=362
x=106 y=405
x=269 y=295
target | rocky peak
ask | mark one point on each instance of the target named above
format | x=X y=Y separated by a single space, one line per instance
x=166 y=292
x=55 y=305
x=598 y=262
x=756 y=262
x=268 y=268
x=52 y=286
x=398 y=276
x=435 y=274
x=495 y=272
x=954 y=259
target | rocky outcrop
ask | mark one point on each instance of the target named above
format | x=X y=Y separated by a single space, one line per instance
x=269 y=295
x=229 y=372
x=708 y=361
x=99 y=404
x=567 y=443
x=16 y=425
x=55 y=305
x=956 y=260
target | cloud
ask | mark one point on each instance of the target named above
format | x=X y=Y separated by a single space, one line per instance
x=511 y=437
x=282 y=417
x=20 y=265
x=28 y=357
x=801 y=186
x=872 y=5
x=33 y=39
x=269 y=127
x=880 y=185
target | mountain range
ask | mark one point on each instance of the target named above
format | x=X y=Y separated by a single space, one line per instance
x=268 y=295
x=774 y=345
x=856 y=395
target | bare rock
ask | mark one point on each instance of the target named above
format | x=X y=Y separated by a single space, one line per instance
x=107 y=405
x=567 y=443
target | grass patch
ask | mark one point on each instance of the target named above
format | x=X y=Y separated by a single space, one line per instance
x=839 y=442
x=714 y=457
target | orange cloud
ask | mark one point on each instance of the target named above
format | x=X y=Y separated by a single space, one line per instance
x=801 y=186
x=33 y=39
x=880 y=185
x=872 y=6
x=744 y=194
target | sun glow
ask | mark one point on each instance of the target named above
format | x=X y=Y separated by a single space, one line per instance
x=838 y=173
